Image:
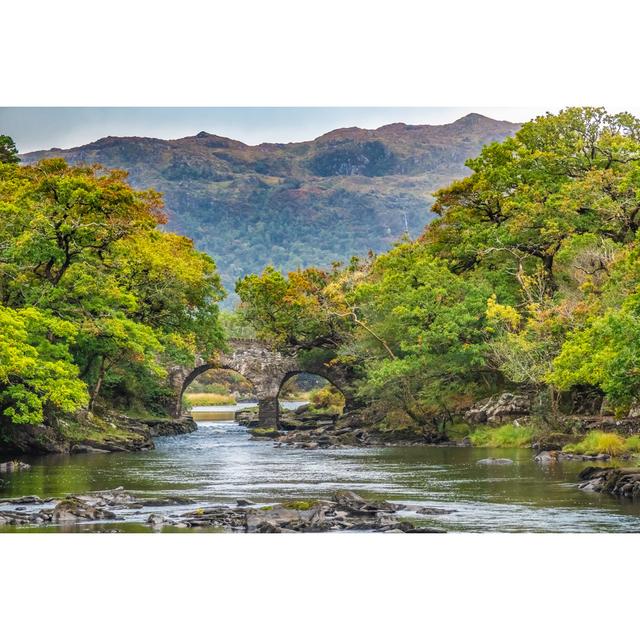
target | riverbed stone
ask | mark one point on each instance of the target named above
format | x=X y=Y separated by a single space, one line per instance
x=618 y=481
x=13 y=466
x=496 y=461
x=71 y=509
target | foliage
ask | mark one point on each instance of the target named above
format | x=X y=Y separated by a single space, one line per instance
x=204 y=399
x=298 y=311
x=529 y=277
x=327 y=398
x=8 y=151
x=597 y=442
x=632 y=444
x=99 y=299
x=506 y=435
x=36 y=367
x=424 y=339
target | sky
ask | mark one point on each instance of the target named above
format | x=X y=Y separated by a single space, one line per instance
x=35 y=128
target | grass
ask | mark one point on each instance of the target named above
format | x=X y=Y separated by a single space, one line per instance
x=209 y=398
x=597 y=442
x=633 y=444
x=507 y=435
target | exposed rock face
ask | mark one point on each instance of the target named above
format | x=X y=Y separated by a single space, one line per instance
x=109 y=433
x=170 y=426
x=617 y=481
x=306 y=429
x=32 y=439
x=549 y=457
x=502 y=408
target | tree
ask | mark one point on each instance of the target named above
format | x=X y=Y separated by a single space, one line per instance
x=80 y=245
x=425 y=343
x=8 y=151
x=299 y=311
x=559 y=176
x=36 y=368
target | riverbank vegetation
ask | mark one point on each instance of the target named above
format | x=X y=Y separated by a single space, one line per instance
x=506 y=435
x=96 y=302
x=202 y=399
x=528 y=279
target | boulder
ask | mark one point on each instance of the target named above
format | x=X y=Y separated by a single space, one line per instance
x=72 y=509
x=502 y=408
x=622 y=482
x=495 y=461
x=13 y=466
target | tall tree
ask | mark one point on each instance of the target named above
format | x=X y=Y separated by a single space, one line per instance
x=8 y=151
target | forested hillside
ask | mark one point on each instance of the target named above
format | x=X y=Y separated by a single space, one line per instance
x=528 y=280
x=300 y=204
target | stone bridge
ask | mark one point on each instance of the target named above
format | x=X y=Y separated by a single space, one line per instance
x=267 y=370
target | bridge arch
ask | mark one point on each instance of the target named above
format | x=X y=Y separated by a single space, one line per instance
x=265 y=368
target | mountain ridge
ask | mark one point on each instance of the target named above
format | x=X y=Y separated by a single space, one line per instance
x=294 y=204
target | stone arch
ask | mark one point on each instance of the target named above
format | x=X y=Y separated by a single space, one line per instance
x=266 y=369
x=297 y=372
x=202 y=368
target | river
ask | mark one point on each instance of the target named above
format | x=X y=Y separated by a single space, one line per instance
x=219 y=463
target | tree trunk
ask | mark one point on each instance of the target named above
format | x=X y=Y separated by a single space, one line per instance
x=96 y=388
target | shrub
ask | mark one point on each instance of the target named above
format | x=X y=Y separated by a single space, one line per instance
x=327 y=398
x=507 y=435
x=632 y=444
x=597 y=442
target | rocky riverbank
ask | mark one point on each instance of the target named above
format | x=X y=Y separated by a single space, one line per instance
x=306 y=428
x=345 y=511
x=85 y=432
x=618 y=481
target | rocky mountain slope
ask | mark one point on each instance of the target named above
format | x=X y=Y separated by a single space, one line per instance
x=347 y=192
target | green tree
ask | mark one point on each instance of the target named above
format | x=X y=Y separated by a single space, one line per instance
x=36 y=368
x=8 y=151
x=573 y=173
x=425 y=346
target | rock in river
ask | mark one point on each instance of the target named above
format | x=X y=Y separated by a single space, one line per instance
x=498 y=461
x=71 y=509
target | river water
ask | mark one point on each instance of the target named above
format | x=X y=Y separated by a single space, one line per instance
x=219 y=463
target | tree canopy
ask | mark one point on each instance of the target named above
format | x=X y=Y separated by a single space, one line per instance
x=528 y=277
x=96 y=301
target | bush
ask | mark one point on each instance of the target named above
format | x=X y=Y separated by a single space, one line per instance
x=507 y=435
x=327 y=398
x=597 y=442
x=633 y=444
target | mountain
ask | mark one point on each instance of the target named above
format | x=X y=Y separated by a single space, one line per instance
x=347 y=192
